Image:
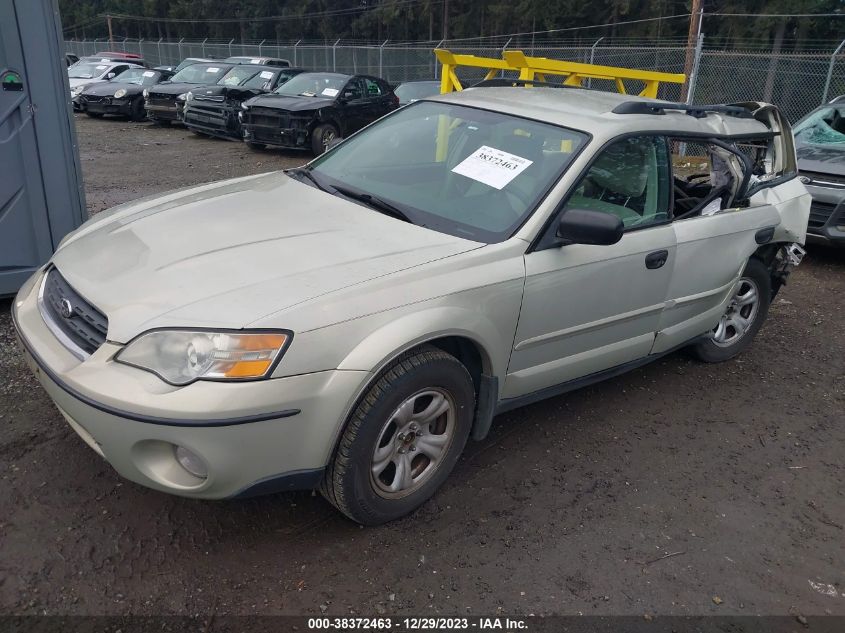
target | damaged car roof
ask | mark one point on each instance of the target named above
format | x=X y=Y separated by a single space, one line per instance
x=592 y=111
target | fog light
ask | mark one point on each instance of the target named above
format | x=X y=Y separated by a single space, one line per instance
x=191 y=462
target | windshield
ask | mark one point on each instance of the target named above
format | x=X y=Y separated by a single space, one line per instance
x=199 y=74
x=412 y=91
x=87 y=71
x=825 y=126
x=314 y=85
x=471 y=173
x=238 y=75
x=138 y=76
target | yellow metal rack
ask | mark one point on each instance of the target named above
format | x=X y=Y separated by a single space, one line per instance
x=537 y=68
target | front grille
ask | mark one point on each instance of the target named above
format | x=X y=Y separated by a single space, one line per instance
x=85 y=327
x=161 y=100
x=216 y=98
x=93 y=99
x=820 y=213
x=267 y=117
x=824 y=180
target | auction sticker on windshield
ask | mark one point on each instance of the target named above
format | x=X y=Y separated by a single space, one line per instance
x=330 y=92
x=212 y=70
x=492 y=166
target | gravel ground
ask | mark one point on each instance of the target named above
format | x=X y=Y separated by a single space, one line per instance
x=679 y=488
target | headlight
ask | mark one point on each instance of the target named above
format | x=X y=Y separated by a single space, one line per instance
x=180 y=357
x=120 y=93
x=146 y=93
x=189 y=96
x=76 y=90
x=182 y=96
x=244 y=106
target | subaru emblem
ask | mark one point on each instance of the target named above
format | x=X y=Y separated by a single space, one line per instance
x=65 y=308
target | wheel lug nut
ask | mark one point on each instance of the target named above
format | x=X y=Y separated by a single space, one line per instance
x=413 y=448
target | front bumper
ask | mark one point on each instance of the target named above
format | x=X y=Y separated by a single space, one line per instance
x=108 y=106
x=294 y=137
x=827 y=215
x=217 y=121
x=253 y=437
x=164 y=112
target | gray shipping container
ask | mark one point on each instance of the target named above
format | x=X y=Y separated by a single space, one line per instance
x=41 y=195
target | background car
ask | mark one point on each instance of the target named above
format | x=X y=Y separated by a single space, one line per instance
x=121 y=96
x=213 y=110
x=164 y=102
x=410 y=91
x=313 y=109
x=820 y=145
x=85 y=73
x=261 y=61
x=186 y=62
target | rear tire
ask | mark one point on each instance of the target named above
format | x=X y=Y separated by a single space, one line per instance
x=256 y=147
x=743 y=318
x=402 y=439
x=95 y=115
x=321 y=136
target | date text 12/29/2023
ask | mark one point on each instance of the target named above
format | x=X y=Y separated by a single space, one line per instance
x=417 y=624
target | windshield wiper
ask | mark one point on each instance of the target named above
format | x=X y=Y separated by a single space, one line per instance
x=306 y=173
x=375 y=202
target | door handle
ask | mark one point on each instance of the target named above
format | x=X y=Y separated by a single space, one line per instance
x=656 y=259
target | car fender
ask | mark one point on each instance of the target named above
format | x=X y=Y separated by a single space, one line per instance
x=384 y=344
x=328 y=115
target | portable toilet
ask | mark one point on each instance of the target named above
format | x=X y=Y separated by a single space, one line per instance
x=41 y=194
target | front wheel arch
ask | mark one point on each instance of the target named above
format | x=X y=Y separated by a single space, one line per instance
x=469 y=352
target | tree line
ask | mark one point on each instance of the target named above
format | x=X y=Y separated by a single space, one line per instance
x=433 y=20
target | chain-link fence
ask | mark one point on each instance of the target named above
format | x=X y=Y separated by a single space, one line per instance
x=796 y=82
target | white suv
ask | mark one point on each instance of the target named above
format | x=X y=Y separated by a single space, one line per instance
x=348 y=325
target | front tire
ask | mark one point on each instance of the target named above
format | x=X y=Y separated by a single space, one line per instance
x=321 y=136
x=403 y=438
x=256 y=147
x=94 y=115
x=746 y=312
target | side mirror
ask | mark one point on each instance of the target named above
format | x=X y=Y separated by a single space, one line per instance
x=110 y=76
x=585 y=226
x=348 y=95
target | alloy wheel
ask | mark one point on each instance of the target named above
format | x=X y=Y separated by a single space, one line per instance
x=740 y=314
x=413 y=442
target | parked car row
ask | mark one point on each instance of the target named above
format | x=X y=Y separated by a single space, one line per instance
x=261 y=100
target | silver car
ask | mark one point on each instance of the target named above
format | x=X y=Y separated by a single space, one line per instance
x=349 y=325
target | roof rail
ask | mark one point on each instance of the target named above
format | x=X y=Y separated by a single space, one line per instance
x=697 y=111
x=531 y=68
x=498 y=82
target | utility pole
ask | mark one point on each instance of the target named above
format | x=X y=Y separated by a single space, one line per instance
x=445 y=19
x=111 y=35
x=692 y=40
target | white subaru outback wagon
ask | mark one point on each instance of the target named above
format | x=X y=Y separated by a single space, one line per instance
x=349 y=325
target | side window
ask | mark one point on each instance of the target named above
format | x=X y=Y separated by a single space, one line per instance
x=629 y=179
x=705 y=178
x=353 y=89
x=372 y=88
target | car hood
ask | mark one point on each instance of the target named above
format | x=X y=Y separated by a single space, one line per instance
x=74 y=82
x=169 y=88
x=108 y=88
x=230 y=253
x=821 y=159
x=230 y=92
x=291 y=104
